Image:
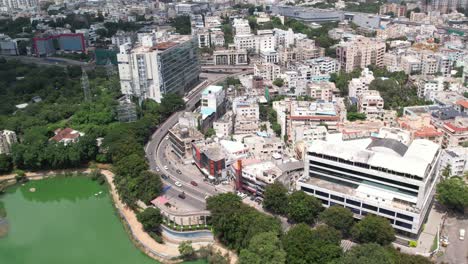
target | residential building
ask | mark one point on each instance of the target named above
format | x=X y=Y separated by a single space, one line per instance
x=308 y=133
x=224 y=127
x=263 y=148
x=241 y=27
x=371 y=104
x=181 y=139
x=269 y=56
x=322 y=90
x=396 y=9
x=246 y=108
x=213 y=101
x=49 y=44
x=456 y=159
x=230 y=57
x=428 y=86
x=7 y=139
x=210 y=158
x=455 y=132
x=8 y=46
x=253 y=175
x=122 y=37
x=152 y=70
x=358 y=86
x=66 y=136
x=18 y=4
x=360 y=53
x=268 y=71
x=380 y=176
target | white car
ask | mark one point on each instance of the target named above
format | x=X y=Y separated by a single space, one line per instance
x=165 y=167
x=178 y=184
x=462 y=234
x=241 y=195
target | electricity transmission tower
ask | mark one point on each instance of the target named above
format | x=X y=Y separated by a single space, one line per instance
x=85 y=85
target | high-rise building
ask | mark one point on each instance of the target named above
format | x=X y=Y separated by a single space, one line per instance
x=154 y=69
x=7 y=138
x=360 y=53
x=445 y=6
x=386 y=176
x=18 y=4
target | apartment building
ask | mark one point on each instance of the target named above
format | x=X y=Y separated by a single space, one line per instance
x=7 y=139
x=455 y=132
x=152 y=70
x=360 y=53
x=224 y=127
x=428 y=87
x=380 y=176
x=241 y=27
x=18 y=4
x=396 y=9
x=122 y=37
x=213 y=101
x=358 y=86
x=268 y=71
x=456 y=158
x=230 y=56
x=263 y=148
x=181 y=138
x=371 y=104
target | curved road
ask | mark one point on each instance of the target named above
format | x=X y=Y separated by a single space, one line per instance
x=158 y=159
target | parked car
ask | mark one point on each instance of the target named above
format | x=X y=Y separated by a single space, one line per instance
x=462 y=234
x=165 y=167
x=164 y=176
x=224 y=182
x=182 y=195
x=241 y=195
x=194 y=183
x=178 y=171
x=178 y=184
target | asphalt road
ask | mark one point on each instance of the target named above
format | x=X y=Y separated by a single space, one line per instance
x=49 y=61
x=157 y=157
x=457 y=251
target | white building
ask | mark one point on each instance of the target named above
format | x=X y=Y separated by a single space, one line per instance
x=7 y=138
x=375 y=176
x=152 y=70
x=18 y=4
x=121 y=38
x=212 y=98
x=371 y=103
x=224 y=126
x=428 y=87
x=269 y=71
x=263 y=148
x=241 y=27
x=357 y=86
x=456 y=158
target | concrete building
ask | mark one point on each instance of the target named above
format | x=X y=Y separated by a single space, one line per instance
x=8 y=46
x=122 y=37
x=49 y=44
x=253 y=175
x=7 y=139
x=308 y=133
x=152 y=70
x=371 y=104
x=455 y=132
x=263 y=148
x=456 y=158
x=213 y=101
x=360 y=53
x=396 y=9
x=428 y=87
x=224 y=127
x=18 y=4
x=268 y=71
x=380 y=176
x=182 y=138
x=230 y=57
x=241 y=26
x=210 y=159
x=358 y=86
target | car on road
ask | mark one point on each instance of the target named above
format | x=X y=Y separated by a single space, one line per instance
x=224 y=182
x=241 y=195
x=194 y=183
x=462 y=234
x=157 y=169
x=178 y=184
x=164 y=176
x=181 y=195
x=178 y=171
x=165 y=167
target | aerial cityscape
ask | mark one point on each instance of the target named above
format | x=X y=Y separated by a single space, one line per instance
x=233 y=131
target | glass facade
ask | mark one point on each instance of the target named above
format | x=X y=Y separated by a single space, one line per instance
x=179 y=67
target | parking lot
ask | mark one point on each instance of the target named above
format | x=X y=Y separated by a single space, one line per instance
x=457 y=250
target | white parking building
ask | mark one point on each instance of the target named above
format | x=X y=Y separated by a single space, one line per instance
x=380 y=176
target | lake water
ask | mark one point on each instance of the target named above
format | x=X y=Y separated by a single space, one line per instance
x=63 y=221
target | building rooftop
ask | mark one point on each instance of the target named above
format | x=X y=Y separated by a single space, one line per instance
x=413 y=160
x=212 y=89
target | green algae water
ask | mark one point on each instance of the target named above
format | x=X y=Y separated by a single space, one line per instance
x=63 y=221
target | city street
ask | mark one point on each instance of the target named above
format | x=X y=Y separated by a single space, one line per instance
x=457 y=251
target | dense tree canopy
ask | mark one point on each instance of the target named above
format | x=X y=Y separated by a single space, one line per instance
x=263 y=248
x=182 y=25
x=6 y=164
x=303 y=208
x=304 y=245
x=453 y=193
x=151 y=219
x=339 y=218
x=276 y=198
x=373 y=229
x=367 y=254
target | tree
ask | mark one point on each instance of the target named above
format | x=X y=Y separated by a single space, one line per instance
x=146 y=186
x=353 y=116
x=339 y=218
x=6 y=164
x=303 y=246
x=210 y=132
x=263 y=248
x=303 y=208
x=130 y=166
x=278 y=82
x=447 y=171
x=276 y=198
x=151 y=219
x=453 y=193
x=367 y=254
x=182 y=25
x=373 y=229
x=186 y=250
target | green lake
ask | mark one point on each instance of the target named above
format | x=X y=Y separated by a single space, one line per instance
x=63 y=221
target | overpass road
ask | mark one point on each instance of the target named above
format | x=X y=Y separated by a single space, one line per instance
x=159 y=157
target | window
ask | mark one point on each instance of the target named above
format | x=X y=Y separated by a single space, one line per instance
x=406 y=217
x=356 y=203
x=405 y=225
x=387 y=212
x=354 y=210
x=370 y=207
x=337 y=198
x=321 y=193
x=307 y=190
x=325 y=202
